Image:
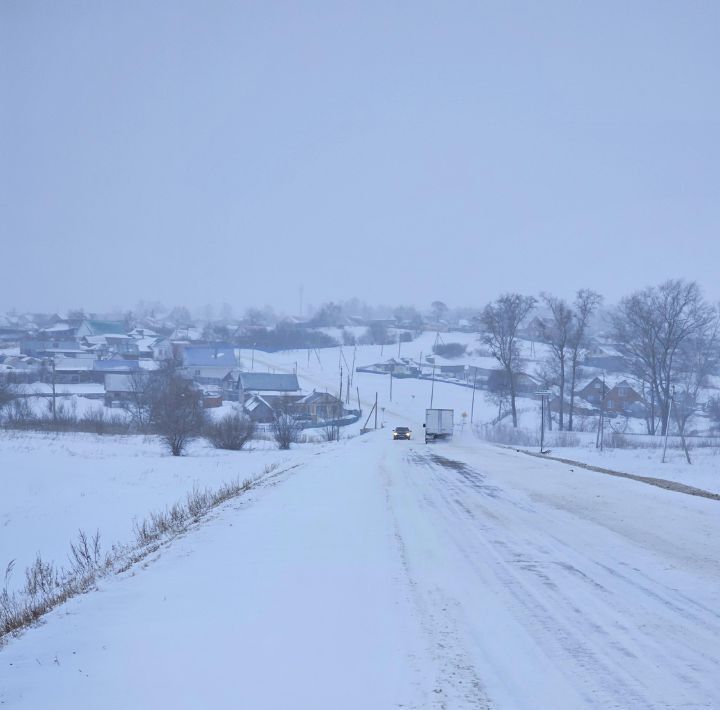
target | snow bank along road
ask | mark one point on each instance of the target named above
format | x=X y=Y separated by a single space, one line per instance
x=395 y=575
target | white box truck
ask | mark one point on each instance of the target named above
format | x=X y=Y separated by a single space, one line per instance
x=438 y=424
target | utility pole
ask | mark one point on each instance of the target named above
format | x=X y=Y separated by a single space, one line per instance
x=252 y=364
x=376 y=410
x=472 y=405
x=432 y=386
x=543 y=394
x=352 y=371
x=667 y=428
x=390 y=373
x=681 y=429
x=599 y=440
x=52 y=364
x=399 y=341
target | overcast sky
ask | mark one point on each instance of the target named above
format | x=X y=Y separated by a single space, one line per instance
x=200 y=152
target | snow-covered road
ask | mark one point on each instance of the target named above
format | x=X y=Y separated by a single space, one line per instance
x=387 y=575
x=540 y=603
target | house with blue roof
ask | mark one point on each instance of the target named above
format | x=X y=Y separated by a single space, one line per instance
x=239 y=386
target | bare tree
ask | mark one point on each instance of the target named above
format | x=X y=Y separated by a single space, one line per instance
x=137 y=404
x=180 y=316
x=697 y=359
x=586 y=303
x=713 y=410
x=176 y=410
x=286 y=430
x=501 y=399
x=231 y=432
x=8 y=392
x=331 y=432
x=254 y=316
x=439 y=310
x=501 y=320
x=557 y=333
x=652 y=326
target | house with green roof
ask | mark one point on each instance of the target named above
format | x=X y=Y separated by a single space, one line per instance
x=91 y=327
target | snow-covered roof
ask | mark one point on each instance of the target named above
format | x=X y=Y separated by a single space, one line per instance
x=143 y=333
x=104 y=327
x=317 y=395
x=58 y=328
x=95 y=339
x=123 y=381
x=74 y=364
x=253 y=402
x=209 y=356
x=115 y=365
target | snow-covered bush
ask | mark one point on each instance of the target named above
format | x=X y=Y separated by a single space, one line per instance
x=231 y=432
x=285 y=430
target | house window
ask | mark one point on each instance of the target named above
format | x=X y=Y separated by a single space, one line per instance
x=197 y=373
x=610 y=404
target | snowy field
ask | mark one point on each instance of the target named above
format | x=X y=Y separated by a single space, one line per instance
x=377 y=574
x=386 y=574
x=54 y=485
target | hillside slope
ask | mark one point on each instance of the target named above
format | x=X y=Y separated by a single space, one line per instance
x=381 y=575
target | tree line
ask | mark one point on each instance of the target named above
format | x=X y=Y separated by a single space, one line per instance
x=667 y=334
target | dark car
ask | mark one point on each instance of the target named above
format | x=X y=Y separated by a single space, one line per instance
x=401 y=432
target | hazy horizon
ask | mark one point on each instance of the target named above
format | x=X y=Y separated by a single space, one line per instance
x=397 y=152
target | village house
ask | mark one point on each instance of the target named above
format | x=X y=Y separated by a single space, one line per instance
x=121 y=387
x=208 y=364
x=237 y=386
x=74 y=370
x=620 y=398
x=118 y=345
x=592 y=392
x=400 y=367
x=150 y=345
x=318 y=407
x=259 y=409
x=42 y=348
x=534 y=330
x=623 y=399
x=90 y=327
x=311 y=409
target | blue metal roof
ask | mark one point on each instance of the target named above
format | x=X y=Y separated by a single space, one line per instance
x=268 y=382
